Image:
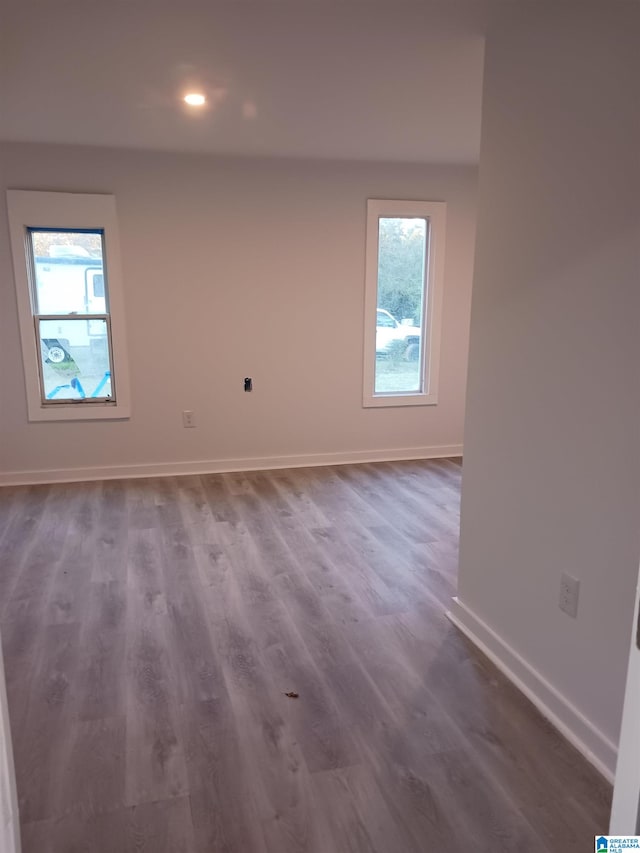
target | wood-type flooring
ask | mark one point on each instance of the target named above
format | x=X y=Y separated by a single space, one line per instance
x=152 y=628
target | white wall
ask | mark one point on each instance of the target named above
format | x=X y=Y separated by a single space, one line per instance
x=9 y=820
x=551 y=473
x=238 y=268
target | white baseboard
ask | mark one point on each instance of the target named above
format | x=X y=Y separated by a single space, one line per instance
x=561 y=713
x=219 y=466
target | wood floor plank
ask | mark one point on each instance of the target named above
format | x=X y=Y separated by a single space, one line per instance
x=250 y=598
x=100 y=690
x=486 y=819
x=151 y=629
x=93 y=780
x=223 y=810
x=316 y=721
x=343 y=824
x=339 y=545
x=71 y=577
x=189 y=637
x=195 y=509
x=33 y=578
x=307 y=558
x=155 y=767
x=141 y=506
x=376 y=826
x=110 y=542
x=265 y=655
x=159 y=827
x=21 y=512
x=41 y=736
x=280 y=786
x=294 y=498
x=386 y=502
x=27 y=612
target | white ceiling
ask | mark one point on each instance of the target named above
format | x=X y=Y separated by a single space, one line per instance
x=398 y=80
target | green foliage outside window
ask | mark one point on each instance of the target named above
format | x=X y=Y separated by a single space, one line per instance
x=401 y=259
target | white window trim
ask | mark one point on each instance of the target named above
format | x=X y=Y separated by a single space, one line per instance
x=30 y=209
x=435 y=212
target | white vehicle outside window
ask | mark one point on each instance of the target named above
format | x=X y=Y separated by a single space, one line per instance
x=68 y=283
x=403 y=302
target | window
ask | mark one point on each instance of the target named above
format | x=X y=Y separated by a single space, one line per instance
x=403 y=300
x=68 y=284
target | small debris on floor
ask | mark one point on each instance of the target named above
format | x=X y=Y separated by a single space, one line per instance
x=292 y=695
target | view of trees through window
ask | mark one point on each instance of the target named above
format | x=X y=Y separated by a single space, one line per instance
x=402 y=244
x=401 y=257
x=76 y=243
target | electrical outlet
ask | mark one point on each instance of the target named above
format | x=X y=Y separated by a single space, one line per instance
x=569 y=594
x=188 y=420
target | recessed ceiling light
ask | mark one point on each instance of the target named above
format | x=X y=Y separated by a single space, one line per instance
x=195 y=99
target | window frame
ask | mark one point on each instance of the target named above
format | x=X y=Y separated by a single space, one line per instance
x=435 y=214
x=30 y=210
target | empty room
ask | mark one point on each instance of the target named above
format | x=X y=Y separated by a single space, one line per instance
x=319 y=478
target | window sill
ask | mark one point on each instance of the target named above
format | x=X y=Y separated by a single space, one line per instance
x=79 y=412
x=388 y=400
